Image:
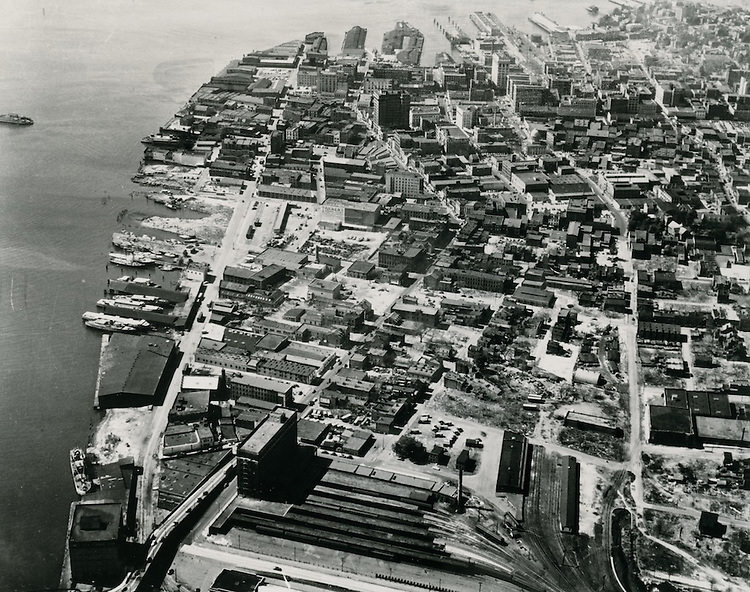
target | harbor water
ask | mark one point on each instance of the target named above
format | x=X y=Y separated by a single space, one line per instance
x=96 y=77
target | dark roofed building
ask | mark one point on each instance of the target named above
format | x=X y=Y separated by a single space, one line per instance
x=135 y=370
x=514 y=461
x=94 y=543
x=231 y=580
x=569 y=495
x=672 y=426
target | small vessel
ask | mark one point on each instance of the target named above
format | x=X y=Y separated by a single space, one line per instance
x=81 y=481
x=15 y=119
x=160 y=140
x=593 y=9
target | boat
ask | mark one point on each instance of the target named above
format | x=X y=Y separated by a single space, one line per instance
x=125 y=302
x=161 y=140
x=593 y=9
x=109 y=326
x=125 y=260
x=131 y=259
x=15 y=119
x=81 y=481
x=107 y=322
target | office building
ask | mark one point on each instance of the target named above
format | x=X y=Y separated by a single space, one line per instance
x=391 y=109
x=264 y=459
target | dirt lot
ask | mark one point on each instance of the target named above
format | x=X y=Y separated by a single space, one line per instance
x=697 y=483
x=121 y=433
x=209 y=229
x=609 y=402
x=502 y=407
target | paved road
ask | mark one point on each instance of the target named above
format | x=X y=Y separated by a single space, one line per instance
x=188 y=344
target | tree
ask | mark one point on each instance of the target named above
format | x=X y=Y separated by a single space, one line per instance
x=410 y=448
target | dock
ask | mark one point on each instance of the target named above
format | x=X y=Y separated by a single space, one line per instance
x=102 y=349
x=546 y=24
x=627 y=3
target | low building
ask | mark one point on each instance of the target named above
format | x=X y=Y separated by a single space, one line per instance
x=671 y=426
x=569 y=482
x=262 y=388
x=361 y=269
x=319 y=289
x=594 y=423
x=515 y=458
x=135 y=370
x=723 y=431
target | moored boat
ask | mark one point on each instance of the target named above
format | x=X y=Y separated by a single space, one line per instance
x=81 y=480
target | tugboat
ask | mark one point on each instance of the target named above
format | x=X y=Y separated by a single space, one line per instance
x=593 y=9
x=15 y=119
x=78 y=469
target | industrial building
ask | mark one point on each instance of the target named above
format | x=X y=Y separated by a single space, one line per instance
x=135 y=370
x=261 y=388
x=569 y=483
x=515 y=458
x=95 y=543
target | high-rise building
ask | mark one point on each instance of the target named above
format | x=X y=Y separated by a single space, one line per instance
x=391 y=109
x=500 y=67
x=266 y=457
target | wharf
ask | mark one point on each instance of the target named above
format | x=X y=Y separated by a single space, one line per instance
x=102 y=349
x=545 y=23
x=627 y=3
x=122 y=287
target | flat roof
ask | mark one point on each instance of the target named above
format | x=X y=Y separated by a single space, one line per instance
x=264 y=382
x=134 y=364
x=720 y=428
x=197 y=382
x=267 y=431
x=670 y=419
x=95 y=522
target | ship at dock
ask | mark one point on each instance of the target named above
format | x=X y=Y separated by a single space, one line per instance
x=113 y=323
x=81 y=480
x=127 y=302
x=15 y=119
x=164 y=140
x=405 y=42
x=131 y=259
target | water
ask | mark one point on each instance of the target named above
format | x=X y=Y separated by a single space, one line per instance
x=96 y=77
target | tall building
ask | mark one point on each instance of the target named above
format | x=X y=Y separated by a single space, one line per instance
x=391 y=109
x=95 y=543
x=354 y=42
x=500 y=67
x=266 y=457
x=407 y=183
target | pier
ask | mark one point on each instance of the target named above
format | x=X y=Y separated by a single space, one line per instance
x=546 y=24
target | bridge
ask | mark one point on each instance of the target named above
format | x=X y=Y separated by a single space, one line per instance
x=160 y=540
